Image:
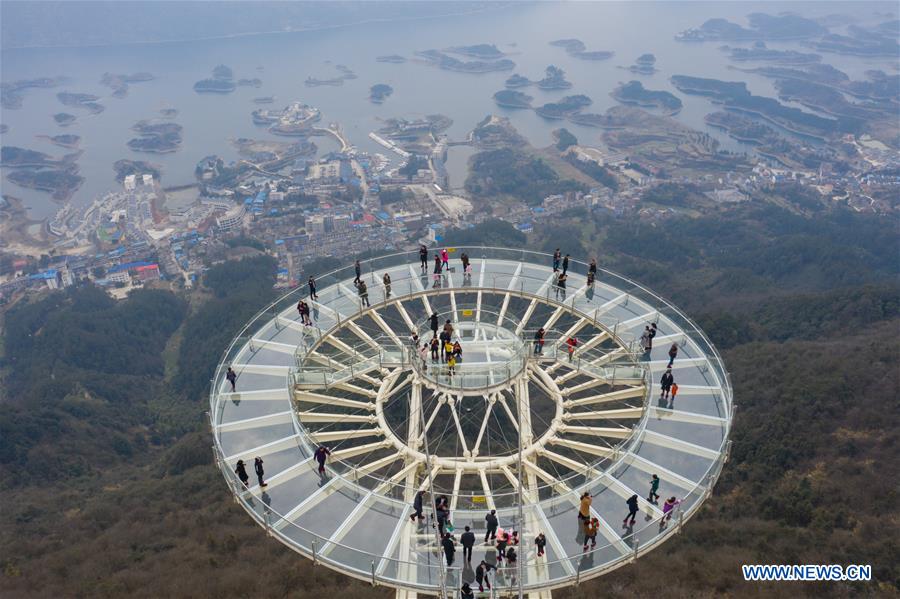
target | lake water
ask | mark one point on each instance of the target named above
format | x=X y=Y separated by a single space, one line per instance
x=284 y=61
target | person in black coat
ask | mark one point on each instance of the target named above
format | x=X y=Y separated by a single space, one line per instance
x=232 y=378
x=417 y=505
x=434 y=324
x=449 y=548
x=465 y=592
x=321 y=455
x=491 y=520
x=258 y=467
x=423 y=258
x=241 y=471
x=632 y=510
x=467 y=539
x=481 y=575
x=665 y=383
x=540 y=542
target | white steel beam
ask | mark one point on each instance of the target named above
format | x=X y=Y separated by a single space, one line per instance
x=678 y=445
x=663 y=473
x=279 y=393
x=331 y=417
x=623 y=413
x=329 y=436
x=263 y=369
x=627 y=393
x=318 y=398
x=604 y=452
x=256 y=422
x=265 y=449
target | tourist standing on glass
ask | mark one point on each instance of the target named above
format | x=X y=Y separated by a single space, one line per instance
x=673 y=353
x=467 y=539
x=232 y=378
x=423 y=258
x=258 y=467
x=241 y=471
x=556 y=257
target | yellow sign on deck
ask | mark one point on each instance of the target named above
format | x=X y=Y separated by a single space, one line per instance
x=451 y=250
x=478 y=499
x=467 y=312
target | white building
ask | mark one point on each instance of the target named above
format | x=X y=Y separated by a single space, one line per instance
x=232 y=219
x=130 y=183
x=148 y=179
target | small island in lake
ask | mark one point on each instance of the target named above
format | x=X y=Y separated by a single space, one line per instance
x=119 y=83
x=264 y=100
x=450 y=63
x=155 y=137
x=512 y=99
x=481 y=51
x=516 y=80
x=554 y=78
x=645 y=64
x=69 y=141
x=64 y=119
x=391 y=58
x=380 y=92
x=255 y=82
x=568 y=106
x=636 y=94
x=346 y=74
x=222 y=82
x=168 y=113
x=577 y=49
x=127 y=167
x=86 y=101
x=759 y=52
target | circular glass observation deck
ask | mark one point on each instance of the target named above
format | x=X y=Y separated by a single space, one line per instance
x=518 y=426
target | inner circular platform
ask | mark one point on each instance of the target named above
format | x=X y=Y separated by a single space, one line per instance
x=587 y=417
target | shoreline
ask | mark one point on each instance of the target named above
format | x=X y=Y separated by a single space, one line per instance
x=256 y=33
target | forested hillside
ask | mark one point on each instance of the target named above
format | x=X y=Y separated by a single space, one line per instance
x=108 y=489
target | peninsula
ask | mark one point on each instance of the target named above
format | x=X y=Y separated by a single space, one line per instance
x=11 y=93
x=127 y=167
x=636 y=94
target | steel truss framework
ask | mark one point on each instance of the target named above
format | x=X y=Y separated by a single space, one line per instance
x=511 y=429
